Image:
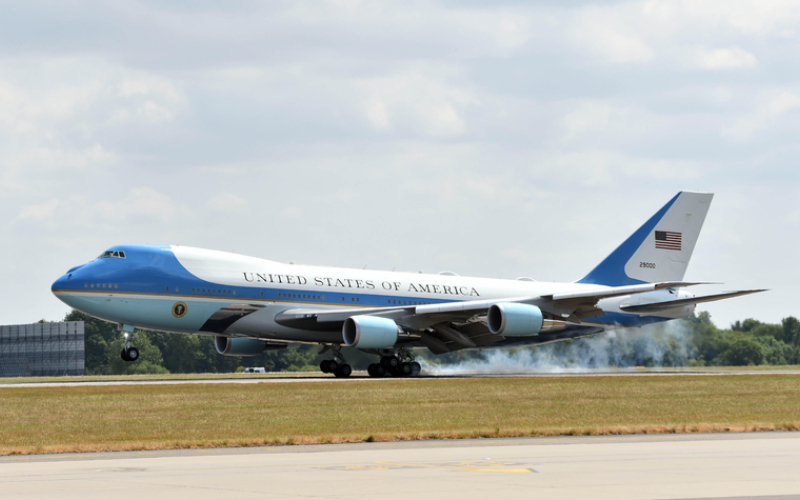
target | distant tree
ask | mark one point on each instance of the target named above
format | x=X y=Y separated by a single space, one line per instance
x=746 y=325
x=743 y=352
x=791 y=330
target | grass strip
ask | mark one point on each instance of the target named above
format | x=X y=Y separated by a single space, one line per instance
x=174 y=416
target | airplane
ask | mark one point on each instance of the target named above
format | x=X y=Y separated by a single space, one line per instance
x=251 y=305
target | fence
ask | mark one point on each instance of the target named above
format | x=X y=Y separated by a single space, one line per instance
x=42 y=349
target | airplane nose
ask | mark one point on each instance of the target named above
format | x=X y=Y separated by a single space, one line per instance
x=61 y=283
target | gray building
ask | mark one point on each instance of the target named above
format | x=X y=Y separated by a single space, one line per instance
x=42 y=349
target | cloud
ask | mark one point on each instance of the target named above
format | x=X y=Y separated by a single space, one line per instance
x=730 y=58
x=144 y=202
x=611 y=34
x=769 y=109
x=39 y=212
x=226 y=202
x=60 y=114
x=414 y=102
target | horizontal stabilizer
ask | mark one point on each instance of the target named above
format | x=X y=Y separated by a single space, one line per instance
x=670 y=304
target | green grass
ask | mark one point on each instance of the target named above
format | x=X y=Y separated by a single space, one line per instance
x=117 y=417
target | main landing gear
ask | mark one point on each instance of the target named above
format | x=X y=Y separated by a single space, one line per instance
x=129 y=353
x=401 y=364
x=338 y=366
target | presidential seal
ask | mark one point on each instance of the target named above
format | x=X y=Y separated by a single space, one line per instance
x=179 y=309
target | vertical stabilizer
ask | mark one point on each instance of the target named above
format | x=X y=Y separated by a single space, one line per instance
x=659 y=250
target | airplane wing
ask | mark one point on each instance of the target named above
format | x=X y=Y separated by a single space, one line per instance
x=566 y=306
x=669 y=304
x=457 y=325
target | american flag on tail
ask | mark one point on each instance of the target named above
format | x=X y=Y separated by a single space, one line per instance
x=668 y=240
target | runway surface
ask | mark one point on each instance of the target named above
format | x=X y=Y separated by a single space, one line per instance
x=362 y=377
x=763 y=466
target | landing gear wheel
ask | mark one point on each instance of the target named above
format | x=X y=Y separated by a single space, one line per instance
x=376 y=370
x=130 y=354
x=416 y=368
x=343 y=371
x=390 y=362
x=328 y=366
x=404 y=370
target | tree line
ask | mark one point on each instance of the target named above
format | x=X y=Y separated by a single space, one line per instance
x=695 y=341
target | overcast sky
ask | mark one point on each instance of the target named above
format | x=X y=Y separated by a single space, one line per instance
x=486 y=138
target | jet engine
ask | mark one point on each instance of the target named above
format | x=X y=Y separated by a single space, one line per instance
x=514 y=320
x=369 y=332
x=239 y=346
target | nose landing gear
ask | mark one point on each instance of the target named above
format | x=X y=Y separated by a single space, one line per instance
x=129 y=353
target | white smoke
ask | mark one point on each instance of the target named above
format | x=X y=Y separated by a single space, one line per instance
x=663 y=345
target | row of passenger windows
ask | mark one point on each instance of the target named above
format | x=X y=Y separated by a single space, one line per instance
x=406 y=302
x=298 y=296
x=100 y=285
x=217 y=291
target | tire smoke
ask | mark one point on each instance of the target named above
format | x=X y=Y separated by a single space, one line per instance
x=663 y=345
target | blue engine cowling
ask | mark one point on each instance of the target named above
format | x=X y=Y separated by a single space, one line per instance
x=239 y=347
x=369 y=332
x=514 y=320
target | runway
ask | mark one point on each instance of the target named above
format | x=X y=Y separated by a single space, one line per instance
x=733 y=466
x=361 y=376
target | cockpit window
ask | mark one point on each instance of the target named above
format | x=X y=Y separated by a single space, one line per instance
x=112 y=253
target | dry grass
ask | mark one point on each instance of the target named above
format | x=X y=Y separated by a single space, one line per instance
x=104 y=418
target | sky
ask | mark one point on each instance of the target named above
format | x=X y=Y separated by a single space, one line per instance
x=493 y=139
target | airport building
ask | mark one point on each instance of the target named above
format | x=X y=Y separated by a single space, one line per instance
x=42 y=349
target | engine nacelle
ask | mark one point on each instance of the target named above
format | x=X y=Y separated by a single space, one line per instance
x=515 y=320
x=239 y=347
x=369 y=332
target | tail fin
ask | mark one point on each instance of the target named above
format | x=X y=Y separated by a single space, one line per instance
x=659 y=250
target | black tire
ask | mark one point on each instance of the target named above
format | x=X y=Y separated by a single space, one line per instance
x=124 y=355
x=390 y=362
x=380 y=370
x=343 y=371
x=405 y=370
x=416 y=368
x=133 y=354
x=371 y=370
x=323 y=366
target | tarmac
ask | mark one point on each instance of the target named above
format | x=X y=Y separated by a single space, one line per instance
x=764 y=466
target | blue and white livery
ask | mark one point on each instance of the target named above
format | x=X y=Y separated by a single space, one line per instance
x=251 y=305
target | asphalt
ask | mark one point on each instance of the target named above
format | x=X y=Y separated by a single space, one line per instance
x=290 y=378
x=764 y=466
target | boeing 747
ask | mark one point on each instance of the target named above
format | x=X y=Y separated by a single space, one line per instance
x=250 y=305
